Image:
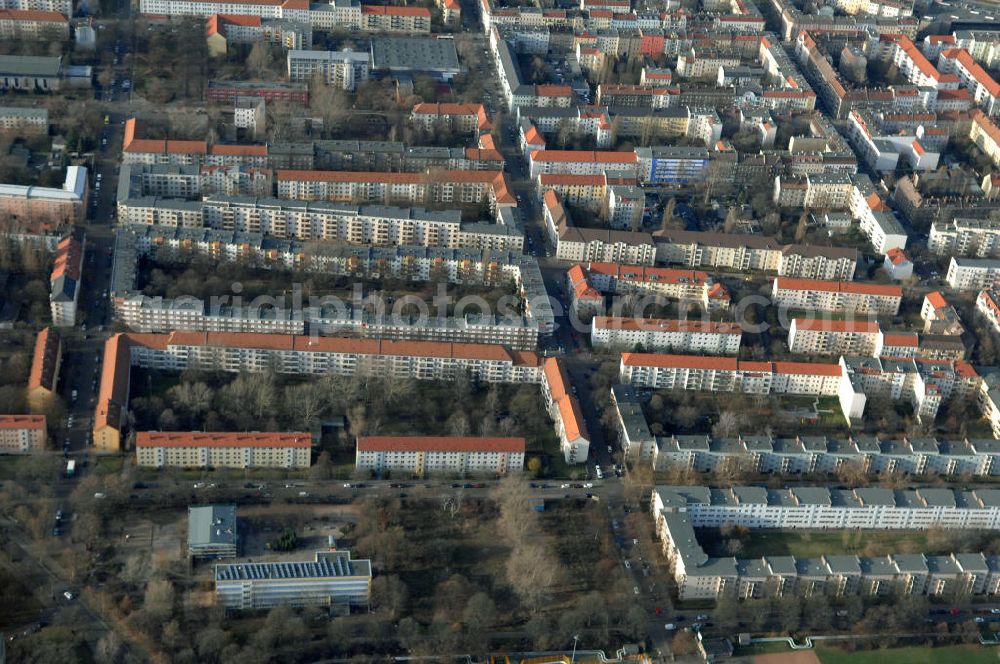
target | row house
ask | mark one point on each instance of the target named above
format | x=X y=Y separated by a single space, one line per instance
x=591 y=279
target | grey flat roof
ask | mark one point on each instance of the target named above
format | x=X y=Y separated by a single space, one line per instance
x=211 y=525
x=414 y=53
x=29 y=65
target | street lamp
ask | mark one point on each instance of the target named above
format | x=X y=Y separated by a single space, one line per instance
x=576 y=637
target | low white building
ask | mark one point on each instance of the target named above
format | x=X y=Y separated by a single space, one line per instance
x=819 y=336
x=418 y=456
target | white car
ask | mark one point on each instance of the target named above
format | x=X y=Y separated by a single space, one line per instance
x=670 y=627
x=588 y=485
x=628 y=565
x=635 y=589
x=68 y=595
x=563 y=486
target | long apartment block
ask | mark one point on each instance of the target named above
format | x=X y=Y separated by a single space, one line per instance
x=212 y=449
x=515 y=329
x=678 y=511
x=836 y=296
x=926 y=384
x=801 y=455
x=823 y=455
x=234 y=352
x=419 y=456
x=384 y=225
x=731 y=251
x=660 y=334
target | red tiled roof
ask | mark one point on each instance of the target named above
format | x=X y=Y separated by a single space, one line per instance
x=807 y=369
x=395 y=10
x=667 y=361
x=789 y=283
x=824 y=325
x=897 y=256
x=603 y=156
x=974 y=70
x=439 y=444
x=22 y=422
x=936 y=299
x=666 y=325
x=221 y=439
x=69 y=259
x=45 y=360
x=900 y=339
x=31 y=15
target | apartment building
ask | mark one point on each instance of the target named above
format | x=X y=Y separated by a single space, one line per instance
x=582 y=162
x=22 y=434
x=48 y=205
x=829 y=191
x=226 y=92
x=388 y=18
x=221 y=30
x=213 y=449
x=984 y=90
x=64 y=7
x=678 y=511
x=293 y=10
x=64 y=280
x=638 y=443
x=976 y=238
x=33 y=25
x=727 y=374
x=973 y=273
x=564 y=409
x=24 y=120
x=295 y=315
x=451 y=187
x=659 y=334
x=821 y=336
x=45 y=364
x=808 y=455
x=593 y=244
x=684 y=285
x=212 y=531
x=731 y=251
x=419 y=456
x=836 y=296
x=378 y=225
x=343 y=69
x=330 y=579
x=235 y=352
x=985 y=134
x=466 y=118
x=672 y=164
x=884 y=150
x=988 y=306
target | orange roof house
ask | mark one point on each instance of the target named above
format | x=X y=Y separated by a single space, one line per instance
x=45 y=365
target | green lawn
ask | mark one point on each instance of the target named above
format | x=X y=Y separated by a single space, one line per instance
x=943 y=655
